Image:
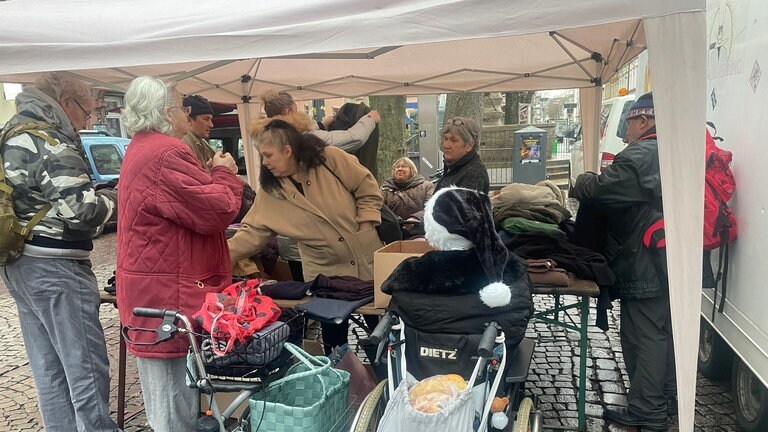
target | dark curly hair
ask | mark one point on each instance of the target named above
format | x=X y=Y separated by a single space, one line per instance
x=308 y=150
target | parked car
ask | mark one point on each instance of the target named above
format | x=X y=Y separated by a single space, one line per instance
x=93 y=132
x=613 y=128
x=105 y=156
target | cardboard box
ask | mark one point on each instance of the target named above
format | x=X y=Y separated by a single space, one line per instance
x=386 y=259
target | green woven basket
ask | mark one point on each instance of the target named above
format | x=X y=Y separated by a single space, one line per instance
x=310 y=398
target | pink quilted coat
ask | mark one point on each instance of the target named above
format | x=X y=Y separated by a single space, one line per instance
x=171 y=245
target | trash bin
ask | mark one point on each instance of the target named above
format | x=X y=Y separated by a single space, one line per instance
x=529 y=157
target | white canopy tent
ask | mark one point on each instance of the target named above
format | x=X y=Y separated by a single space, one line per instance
x=230 y=50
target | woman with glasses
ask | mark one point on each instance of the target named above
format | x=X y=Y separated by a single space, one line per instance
x=321 y=197
x=463 y=167
x=171 y=242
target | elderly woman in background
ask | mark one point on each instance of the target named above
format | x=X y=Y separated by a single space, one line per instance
x=318 y=195
x=171 y=246
x=406 y=193
x=463 y=167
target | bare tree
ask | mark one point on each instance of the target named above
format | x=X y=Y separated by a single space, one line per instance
x=512 y=105
x=391 y=132
x=464 y=105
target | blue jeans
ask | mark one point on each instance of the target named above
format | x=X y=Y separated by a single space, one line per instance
x=58 y=304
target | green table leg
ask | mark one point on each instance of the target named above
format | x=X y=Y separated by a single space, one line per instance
x=583 y=342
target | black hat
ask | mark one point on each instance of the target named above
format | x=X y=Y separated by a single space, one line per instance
x=642 y=106
x=461 y=219
x=199 y=105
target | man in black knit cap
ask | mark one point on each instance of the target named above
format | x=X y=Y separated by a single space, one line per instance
x=628 y=195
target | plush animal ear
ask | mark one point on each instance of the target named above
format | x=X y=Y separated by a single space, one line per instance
x=496 y=294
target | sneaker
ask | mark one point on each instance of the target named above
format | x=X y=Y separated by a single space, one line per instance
x=622 y=416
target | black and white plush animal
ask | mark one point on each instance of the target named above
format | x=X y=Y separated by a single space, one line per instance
x=469 y=280
x=461 y=219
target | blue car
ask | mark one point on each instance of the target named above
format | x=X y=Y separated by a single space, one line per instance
x=105 y=156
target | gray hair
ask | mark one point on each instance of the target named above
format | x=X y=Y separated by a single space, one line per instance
x=56 y=84
x=465 y=128
x=276 y=101
x=145 y=103
x=406 y=160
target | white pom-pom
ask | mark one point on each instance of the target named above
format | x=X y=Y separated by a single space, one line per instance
x=495 y=295
x=499 y=420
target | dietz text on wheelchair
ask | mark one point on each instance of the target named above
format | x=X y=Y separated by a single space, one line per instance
x=484 y=388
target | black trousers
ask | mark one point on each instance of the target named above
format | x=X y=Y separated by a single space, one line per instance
x=646 y=341
x=338 y=334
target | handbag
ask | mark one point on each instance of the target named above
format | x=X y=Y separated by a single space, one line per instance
x=361 y=382
x=312 y=397
x=235 y=314
x=389 y=229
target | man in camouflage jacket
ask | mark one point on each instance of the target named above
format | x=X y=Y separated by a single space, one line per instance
x=55 y=290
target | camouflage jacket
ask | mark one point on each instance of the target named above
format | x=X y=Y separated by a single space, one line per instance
x=41 y=173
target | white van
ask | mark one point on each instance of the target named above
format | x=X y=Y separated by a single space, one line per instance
x=613 y=127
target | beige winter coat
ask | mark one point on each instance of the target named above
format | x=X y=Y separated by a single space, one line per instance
x=324 y=220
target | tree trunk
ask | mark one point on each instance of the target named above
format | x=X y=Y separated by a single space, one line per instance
x=391 y=132
x=464 y=105
x=512 y=105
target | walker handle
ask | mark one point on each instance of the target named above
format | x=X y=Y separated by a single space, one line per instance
x=485 y=348
x=153 y=313
x=382 y=329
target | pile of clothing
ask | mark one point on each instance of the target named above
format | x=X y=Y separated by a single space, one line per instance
x=533 y=222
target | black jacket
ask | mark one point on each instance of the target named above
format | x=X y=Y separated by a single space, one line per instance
x=628 y=194
x=468 y=172
x=438 y=293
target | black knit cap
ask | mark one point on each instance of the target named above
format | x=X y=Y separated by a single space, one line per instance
x=199 y=105
x=642 y=106
x=462 y=218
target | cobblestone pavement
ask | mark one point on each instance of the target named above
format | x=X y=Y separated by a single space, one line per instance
x=553 y=373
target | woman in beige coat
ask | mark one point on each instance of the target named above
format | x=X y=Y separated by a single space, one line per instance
x=318 y=195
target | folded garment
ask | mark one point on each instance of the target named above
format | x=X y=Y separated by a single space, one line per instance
x=544 y=272
x=329 y=310
x=517 y=225
x=540 y=265
x=553 y=277
x=347 y=288
x=284 y=290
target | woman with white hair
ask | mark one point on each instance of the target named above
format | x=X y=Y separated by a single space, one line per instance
x=171 y=244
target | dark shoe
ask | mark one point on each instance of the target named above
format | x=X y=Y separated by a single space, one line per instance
x=671 y=407
x=622 y=416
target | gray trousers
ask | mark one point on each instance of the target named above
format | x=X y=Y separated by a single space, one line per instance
x=58 y=305
x=170 y=404
x=646 y=341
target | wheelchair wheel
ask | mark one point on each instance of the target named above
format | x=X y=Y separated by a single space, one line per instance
x=522 y=423
x=369 y=413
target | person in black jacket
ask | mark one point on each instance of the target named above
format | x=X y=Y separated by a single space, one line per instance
x=463 y=167
x=628 y=196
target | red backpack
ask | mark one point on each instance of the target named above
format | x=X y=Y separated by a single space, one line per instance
x=719 y=223
x=720 y=226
